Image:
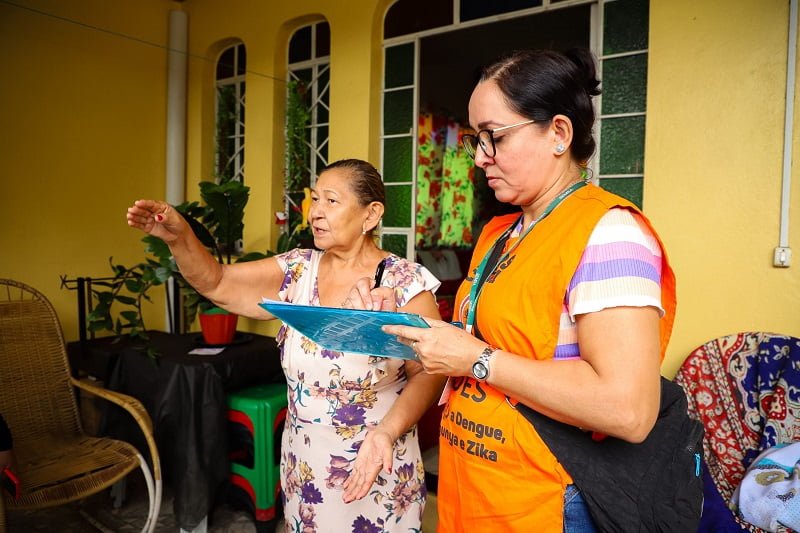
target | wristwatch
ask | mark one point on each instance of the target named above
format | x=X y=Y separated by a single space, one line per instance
x=480 y=368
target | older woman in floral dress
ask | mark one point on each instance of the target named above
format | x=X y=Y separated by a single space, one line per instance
x=350 y=458
x=334 y=398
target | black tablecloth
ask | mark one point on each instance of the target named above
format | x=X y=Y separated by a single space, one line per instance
x=185 y=397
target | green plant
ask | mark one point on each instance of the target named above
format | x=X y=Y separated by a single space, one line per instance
x=298 y=174
x=128 y=287
x=298 y=118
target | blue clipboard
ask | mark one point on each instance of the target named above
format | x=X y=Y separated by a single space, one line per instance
x=347 y=330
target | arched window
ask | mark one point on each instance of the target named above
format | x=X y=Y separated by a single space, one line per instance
x=307 y=112
x=231 y=68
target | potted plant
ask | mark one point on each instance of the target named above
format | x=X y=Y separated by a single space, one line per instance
x=128 y=287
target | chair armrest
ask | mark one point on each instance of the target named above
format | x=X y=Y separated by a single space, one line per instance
x=136 y=410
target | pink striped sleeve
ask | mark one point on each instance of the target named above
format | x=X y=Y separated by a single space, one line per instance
x=621 y=266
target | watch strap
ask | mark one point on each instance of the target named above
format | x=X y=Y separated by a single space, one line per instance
x=483 y=361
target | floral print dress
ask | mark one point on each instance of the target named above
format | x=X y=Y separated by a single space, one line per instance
x=333 y=398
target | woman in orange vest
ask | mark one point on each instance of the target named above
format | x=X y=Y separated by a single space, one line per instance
x=567 y=309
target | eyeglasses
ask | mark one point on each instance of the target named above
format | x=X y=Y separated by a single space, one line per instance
x=485 y=138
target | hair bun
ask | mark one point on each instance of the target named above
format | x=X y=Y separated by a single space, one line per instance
x=584 y=60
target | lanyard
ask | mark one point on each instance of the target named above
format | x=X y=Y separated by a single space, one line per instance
x=478 y=279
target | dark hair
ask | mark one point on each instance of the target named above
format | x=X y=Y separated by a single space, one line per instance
x=539 y=84
x=366 y=183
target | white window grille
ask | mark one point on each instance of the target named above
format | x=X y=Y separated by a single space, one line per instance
x=230 y=84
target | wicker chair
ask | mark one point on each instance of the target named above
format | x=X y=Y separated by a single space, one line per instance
x=56 y=461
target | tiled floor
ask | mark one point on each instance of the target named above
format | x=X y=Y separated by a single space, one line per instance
x=97 y=514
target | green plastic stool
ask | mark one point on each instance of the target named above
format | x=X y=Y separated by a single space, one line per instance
x=255 y=424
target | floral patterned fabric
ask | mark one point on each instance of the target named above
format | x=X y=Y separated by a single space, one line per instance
x=333 y=398
x=445 y=184
x=745 y=389
x=430 y=139
x=458 y=191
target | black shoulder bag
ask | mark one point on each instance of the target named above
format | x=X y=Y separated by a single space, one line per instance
x=652 y=486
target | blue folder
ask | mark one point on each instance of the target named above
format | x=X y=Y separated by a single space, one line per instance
x=347 y=330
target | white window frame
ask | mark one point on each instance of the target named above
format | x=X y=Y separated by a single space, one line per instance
x=318 y=66
x=237 y=81
x=595 y=45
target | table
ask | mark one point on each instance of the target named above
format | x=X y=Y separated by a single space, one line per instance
x=185 y=396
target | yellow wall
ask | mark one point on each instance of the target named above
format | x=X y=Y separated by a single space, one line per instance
x=716 y=91
x=82 y=137
x=85 y=122
x=84 y=114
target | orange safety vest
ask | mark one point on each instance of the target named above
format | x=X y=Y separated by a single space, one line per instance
x=495 y=472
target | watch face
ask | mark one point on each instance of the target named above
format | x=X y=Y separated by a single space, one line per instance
x=479 y=370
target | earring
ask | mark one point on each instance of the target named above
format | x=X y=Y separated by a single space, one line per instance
x=560 y=148
x=363 y=232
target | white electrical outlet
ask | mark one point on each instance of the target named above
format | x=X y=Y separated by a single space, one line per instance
x=782 y=257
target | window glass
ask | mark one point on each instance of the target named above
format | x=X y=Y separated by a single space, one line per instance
x=230 y=103
x=225 y=64
x=630 y=188
x=398 y=206
x=300 y=45
x=625 y=84
x=323 y=89
x=305 y=75
x=323 y=114
x=394 y=243
x=398 y=108
x=399 y=66
x=398 y=149
x=622 y=145
x=226 y=128
x=323 y=40
x=625 y=26
x=241 y=60
x=397 y=159
x=412 y=16
x=625 y=40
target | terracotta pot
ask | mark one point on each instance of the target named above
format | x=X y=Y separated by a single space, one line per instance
x=218 y=326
